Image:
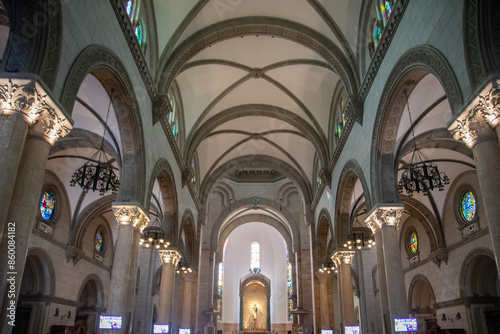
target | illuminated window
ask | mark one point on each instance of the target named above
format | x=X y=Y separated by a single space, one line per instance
x=289 y=286
x=128 y=7
x=172 y=117
x=468 y=206
x=47 y=205
x=98 y=241
x=318 y=178
x=413 y=243
x=219 y=290
x=139 y=33
x=255 y=257
x=387 y=10
x=377 y=33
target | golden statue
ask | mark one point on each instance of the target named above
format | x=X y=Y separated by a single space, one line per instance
x=255 y=311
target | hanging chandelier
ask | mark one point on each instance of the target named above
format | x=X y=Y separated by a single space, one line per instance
x=360 y=237
x=421 y=175
x=97 y=174
x=328 y=267
x=153 y=236
x=183 y=267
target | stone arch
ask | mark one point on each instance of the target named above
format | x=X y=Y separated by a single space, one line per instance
x=109 y=70
x=292 y=229
x=188 y=227
x=260 y=161
x=324 y=226
x=42 y=261
x=271 y=221
x=350 y=174
x=469 y=259
x=262 y=110
x=481 y=29
x=94 y=282
x=163 y=173
x=256 y=277
x=170 y=67
x=409 y=69
x=35 y=27
x=419 y=287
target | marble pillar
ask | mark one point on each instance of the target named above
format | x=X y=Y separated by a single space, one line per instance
x=132 y=220
x=475 y=126
x=169 y=259
x=322 y=277
x=343 y=260
x=384 y=219
x=46 y=124
x=187 y=298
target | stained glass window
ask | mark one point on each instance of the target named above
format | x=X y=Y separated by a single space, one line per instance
x=128 y=7
x=318 y=179
x=387 y=10
x=413 y=243
x=172 y=117
x=468 y=206
x=339 y=130
x=255 y=256
x=219 y=290
x=377 y=33
x=47 y=205
x=98 y=241
x=139 y=33
x=193 y=179
x=289 y=286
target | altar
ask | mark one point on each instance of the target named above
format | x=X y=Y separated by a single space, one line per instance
x=255 y=293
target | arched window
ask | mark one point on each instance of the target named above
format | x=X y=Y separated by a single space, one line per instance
x=412 y=242
x=193 y=166
x=289 y=286
x=387 y=10
x=172 y=117
x=341 y=118
x=139 y=33
x=377 y=33
x=468 y=206
x=47 y=205
x=219 y=290
x=99 y=240
x=255 y=257
x=128 y=7
x=318 y=178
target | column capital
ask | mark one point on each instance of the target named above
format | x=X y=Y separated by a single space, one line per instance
x=343 y=257
x=131 y=214
x=322 y=276
x=27 y=99
x=384 y=214
x=478 y=119
x=170 y=256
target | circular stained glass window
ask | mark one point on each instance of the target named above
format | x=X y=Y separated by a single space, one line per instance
x=468 y=206
x=413 y=243
x=47 y=205
x=98 y=241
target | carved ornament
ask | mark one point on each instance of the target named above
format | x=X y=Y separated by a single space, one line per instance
x=131 y=214
x=384 y=215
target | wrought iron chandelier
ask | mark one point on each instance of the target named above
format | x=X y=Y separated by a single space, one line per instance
x=97 y=173
x=153 y=236
x=360 y=237
x=328 y=267
x=183 y=267
x=421 y=175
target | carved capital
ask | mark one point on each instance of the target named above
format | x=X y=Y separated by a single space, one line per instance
x=170 y=256
x=326 y=176
x=384 y=214
x=187 y=175
x=478 y=120
x=354 y=109
x=161 y=107
x=343 y=257
x=440 y=255
x=26 y=98
x=131 y=214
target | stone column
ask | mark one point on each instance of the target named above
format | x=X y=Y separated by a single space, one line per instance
x=382 y=288
x=187 y=298
x=475 y=126
x=322 y=277
x=169 y=259
x=132 y=219
x=48 y=125
x=343 y=260
x=384 y=219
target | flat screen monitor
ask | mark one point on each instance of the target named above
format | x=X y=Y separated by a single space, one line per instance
x=351 y=329
x=184 y=331
x=160 y=329
x=405 y=325
x=110 y=322
x=327 y=331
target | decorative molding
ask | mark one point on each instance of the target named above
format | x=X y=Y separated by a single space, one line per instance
x=440 y=255
x=472 y=47
x=384 y=214
x=129 y=213
x=187 y=175
x=161 y=103
x=170 y=256
x=135 y=48
x=53 y=47
x=326 y=176
x=449 y=303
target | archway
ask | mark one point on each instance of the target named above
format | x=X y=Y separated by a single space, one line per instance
x=480 y=288
x=90 y=302
x=421 y=300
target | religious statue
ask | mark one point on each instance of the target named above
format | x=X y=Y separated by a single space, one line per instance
x=255 y=310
